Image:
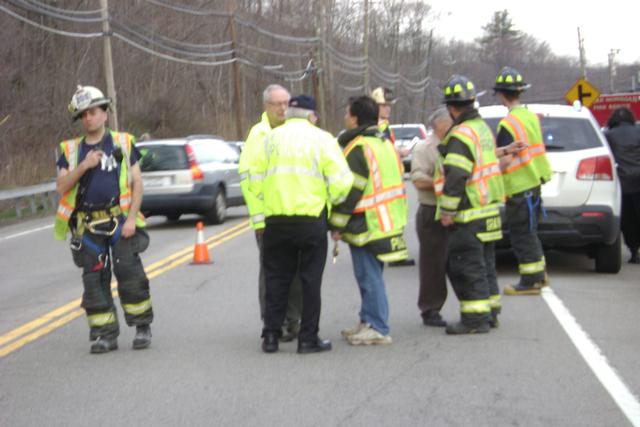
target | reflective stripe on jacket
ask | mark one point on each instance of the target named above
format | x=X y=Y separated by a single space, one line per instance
x=299 y=171
x=383 y=202
x=253 y=146
x=484 y=190
x=530 y=167
x=67 y=204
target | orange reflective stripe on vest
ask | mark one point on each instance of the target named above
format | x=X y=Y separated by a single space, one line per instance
x=526 y=156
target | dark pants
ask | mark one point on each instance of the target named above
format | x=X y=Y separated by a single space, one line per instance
x=289 y=247
x=294 y=304
x=630 y=221
x=523 y=211
x=433 y=262
x=471 y=270
x=97 y=255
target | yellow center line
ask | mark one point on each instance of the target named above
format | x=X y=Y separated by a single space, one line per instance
x=153 y=270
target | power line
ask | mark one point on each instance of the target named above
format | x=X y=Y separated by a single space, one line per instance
x=189 y=10
x=47 y=28
x=33 y=6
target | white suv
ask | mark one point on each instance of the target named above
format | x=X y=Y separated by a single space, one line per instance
x=582 y=200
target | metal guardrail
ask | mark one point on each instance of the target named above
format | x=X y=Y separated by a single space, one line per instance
x=28 y=197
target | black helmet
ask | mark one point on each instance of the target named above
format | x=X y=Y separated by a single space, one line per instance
x=459 y=89
x=510 y=80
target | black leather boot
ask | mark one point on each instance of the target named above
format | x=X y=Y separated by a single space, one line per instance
x=460 y=329
x=316 y=346
x=143 y=337
x=104 y=345
x=270 y=342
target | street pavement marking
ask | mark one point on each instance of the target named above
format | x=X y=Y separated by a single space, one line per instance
x=22 y=335
x=594 y=357
x=22 y=233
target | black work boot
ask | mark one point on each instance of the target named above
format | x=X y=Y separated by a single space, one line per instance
x=460 y=328
x=316 y=346
x=635 y=258
x=269 y=342
x=143 y=337
x=104 y=345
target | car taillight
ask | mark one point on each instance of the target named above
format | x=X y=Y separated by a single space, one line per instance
x=196 y=172
x=595 y=168
x=423 y=134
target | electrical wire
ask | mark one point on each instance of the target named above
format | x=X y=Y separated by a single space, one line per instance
x=189 y=10
x=290 y=39
x=270 y=51
x=150 y=40
x=29 y=7
x=69 y=11
x=47 y=28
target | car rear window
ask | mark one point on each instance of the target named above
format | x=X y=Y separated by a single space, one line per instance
x=163 y=158
x=212 y=151
x=564 y=133
x=406 y=132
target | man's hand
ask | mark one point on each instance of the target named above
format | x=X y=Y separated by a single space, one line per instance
x=92 y=159
x=336 y=236
x=129 y=227
x=259 y=232
x=446 y=220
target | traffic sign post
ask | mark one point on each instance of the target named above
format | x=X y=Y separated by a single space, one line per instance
x=582 y=91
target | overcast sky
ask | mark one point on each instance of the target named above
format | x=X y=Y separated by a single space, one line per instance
x=613 y=24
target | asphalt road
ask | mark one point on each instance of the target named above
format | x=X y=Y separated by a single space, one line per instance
x=205 y=366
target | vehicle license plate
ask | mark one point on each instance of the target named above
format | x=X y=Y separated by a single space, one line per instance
x=157 y=181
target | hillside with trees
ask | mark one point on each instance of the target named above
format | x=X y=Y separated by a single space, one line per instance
x=191 y=67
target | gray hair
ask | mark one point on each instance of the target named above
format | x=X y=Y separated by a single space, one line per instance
x=438 y=115
x=271 y=88
x=299 y=113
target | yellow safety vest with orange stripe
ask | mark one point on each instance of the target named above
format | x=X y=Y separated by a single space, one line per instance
x=384 y=198
x=67 y=204
x=484 y=189
x=530 y=167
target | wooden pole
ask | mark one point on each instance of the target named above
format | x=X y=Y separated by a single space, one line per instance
x=237 y=79
x=365 y=42
x=108 y=64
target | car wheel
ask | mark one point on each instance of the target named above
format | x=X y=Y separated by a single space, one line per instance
x=218 y=212
x=173 y=217
x=609 y=257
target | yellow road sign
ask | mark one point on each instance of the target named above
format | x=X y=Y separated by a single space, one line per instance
x=582 y=91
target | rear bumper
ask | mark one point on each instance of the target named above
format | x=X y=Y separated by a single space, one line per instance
x=577 y=227
x=198 y=201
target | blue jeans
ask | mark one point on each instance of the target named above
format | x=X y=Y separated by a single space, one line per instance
x=368 y=272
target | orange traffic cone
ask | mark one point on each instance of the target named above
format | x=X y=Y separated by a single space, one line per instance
x=200 y=251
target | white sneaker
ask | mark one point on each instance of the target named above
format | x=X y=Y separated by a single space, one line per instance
x=349 y=332
x=369 y=336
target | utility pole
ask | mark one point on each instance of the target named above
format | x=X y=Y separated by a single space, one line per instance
x=583 y=59
x=612 y=68
x=320 y=60
x=427 y=74
x=365 y=43
x=237 y=83
x=108 y=64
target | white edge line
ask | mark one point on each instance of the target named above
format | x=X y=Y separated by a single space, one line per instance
x=597 y=361
x=23 y=233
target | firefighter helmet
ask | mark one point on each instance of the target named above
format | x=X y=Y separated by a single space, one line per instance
x=383 y=95
x=85 y=98
x=459 y=89
x=510 y=80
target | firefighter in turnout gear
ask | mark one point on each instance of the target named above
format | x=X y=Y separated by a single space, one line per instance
x=523 y=173
x=101 y=190
x=276 y=101
x=469 y=192
x=299 y=171
x=372 y=218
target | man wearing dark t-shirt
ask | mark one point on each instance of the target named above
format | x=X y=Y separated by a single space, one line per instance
x=100 y=185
